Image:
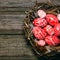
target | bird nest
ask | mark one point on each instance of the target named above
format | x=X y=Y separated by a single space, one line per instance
x=49 y=8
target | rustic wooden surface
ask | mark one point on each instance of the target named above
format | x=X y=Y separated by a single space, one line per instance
x=13 y=44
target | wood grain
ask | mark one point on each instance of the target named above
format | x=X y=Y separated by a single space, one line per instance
x=14 y=45
x=11 y=20
x=23 y=3
x=11 y=24
x=14 y=9
x=18 y=58
x=20 y=3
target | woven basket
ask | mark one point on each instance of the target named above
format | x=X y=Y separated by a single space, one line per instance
x=30 y=16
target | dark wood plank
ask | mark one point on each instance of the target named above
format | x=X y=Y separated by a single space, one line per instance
x=11 y=21
x=20 y=3
x=23 y=3
x=14 y=45
x=19 y=58
x=11 y=24
x=14 y=9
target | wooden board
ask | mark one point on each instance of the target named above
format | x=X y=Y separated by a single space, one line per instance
x=19 y=3
x=14 y=45
x=23 y=3
x=11 y=24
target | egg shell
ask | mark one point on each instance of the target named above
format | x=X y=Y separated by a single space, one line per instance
x=52 y=19
x=39 y=33
x=41 y=13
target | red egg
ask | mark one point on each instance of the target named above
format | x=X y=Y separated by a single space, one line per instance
x=52 y=19
x=52 y=40
x=39 y=33
x=57 y=29
x=40 y=22
x=41 y=43
x=49 y=29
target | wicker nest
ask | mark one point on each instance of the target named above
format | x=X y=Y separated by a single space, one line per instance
x=28 y=26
